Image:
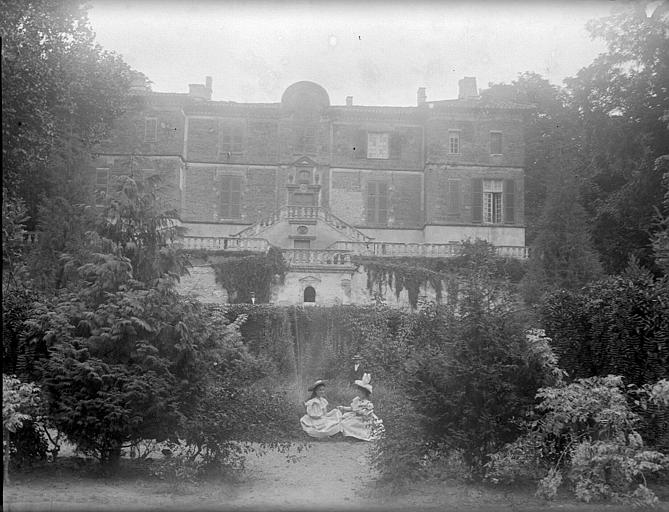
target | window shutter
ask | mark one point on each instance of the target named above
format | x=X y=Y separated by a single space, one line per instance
x=371 y=201
x=395 y=152
x=509 y=202
x=453 y=198
x=382 y=202
x=360 y=144
x=477 y=200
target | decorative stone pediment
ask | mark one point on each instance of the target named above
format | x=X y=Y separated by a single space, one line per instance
x=304 y=161
x=309 y=281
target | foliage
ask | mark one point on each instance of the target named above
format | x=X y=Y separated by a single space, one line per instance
x=14 y=216
x=470 y=376
x=562 y=255
x=415 y=272
x=60 y=94
x=585 y=433
x=620 y=101
x=660 y=240
x=245 y=277
x=20 y=401
x=618 y=325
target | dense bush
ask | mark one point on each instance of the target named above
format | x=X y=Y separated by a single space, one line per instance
x=469 y=376
x=618 y=325
x=583 y=433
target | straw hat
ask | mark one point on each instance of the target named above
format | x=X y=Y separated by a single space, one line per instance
x=319 y=382
x=364 y=383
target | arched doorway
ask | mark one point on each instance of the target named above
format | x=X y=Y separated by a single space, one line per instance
x=309 y=294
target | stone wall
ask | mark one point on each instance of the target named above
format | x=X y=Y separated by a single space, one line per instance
x=349 y=190
x=474 y=129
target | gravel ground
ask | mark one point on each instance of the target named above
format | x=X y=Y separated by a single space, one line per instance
x=329 y=475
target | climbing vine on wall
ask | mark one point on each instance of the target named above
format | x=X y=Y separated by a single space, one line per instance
x=411 y=273
x=251 y=275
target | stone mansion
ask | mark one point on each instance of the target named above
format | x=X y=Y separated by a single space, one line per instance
x=325 y=182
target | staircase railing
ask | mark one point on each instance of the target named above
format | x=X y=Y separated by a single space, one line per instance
x=305 y=213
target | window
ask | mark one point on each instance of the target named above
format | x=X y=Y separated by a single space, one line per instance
x=301 y=244
x=304 y=178
x=150 y=129
x=309 y=294
x=492 y=201
x=378 y=145
x=230 y=195
x=453 y=142
x=231 y=140
x=101 y=184
x=377 y=202
x=495 y=143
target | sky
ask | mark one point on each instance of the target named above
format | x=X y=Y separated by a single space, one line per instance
x=378 y=52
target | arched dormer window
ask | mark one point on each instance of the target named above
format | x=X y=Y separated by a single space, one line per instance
x=309 y=294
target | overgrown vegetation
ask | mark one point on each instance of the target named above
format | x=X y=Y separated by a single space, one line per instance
x=414 y=273
x=250 y=276
x=585 y=433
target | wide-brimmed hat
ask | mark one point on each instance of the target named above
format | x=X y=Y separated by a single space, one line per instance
x=319 y=382
x=364 y=383
x=357 y=357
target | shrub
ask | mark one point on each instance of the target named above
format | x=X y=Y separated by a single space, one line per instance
x=618 y=325
x=584 y=433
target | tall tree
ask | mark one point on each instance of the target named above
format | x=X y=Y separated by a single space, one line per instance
x=621 y=101
x=550 y=131
x=60 y=93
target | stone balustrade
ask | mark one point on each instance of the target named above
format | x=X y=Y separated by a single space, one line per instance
x=427 y=250
x=214 y=243
x=317 y=257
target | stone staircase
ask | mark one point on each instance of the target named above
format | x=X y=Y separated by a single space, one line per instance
x=308 y=213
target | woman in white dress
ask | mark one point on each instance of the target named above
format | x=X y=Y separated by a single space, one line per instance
x=318 y=422
x=359 y=420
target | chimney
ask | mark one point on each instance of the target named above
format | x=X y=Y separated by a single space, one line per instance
x=200 y=91
x=349 y=101
x=467 y=88
x=421 y=96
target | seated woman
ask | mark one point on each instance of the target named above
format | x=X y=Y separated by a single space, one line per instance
x=359 y=420
x=318 y=422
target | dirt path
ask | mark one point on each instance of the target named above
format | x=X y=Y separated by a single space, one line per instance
x=329 y=475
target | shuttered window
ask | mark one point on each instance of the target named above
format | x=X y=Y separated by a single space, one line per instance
x=453 y=204
x=495 y=143
x=150 y=129
x=230 y=197
x=231 y=140
x=377 y=202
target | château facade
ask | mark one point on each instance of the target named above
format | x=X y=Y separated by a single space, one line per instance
x=325 y=182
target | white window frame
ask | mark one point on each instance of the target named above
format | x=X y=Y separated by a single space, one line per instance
x=378 y=145
x=501 y=142
x=493 y=201
x=453 y=136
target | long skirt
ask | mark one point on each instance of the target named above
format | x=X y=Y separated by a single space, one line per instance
x=361 y=427
x=325 y=426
